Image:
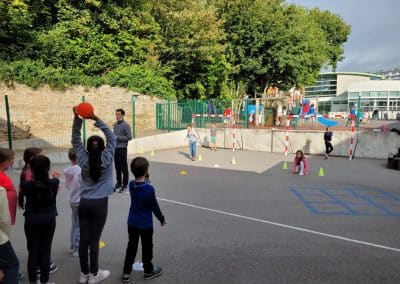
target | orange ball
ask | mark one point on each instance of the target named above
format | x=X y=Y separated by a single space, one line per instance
x=85 y=110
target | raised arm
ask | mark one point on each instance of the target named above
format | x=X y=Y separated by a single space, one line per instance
x=77 y=140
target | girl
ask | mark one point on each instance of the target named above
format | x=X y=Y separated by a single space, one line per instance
x=26 y=175
x=300 y=165
x=9 y=263
x=96 y=162
x=192 y=142
x=40 y=216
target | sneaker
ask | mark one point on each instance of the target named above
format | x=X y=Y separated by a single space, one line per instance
x=71 y=250
x=20 y=276
x=125 y=278
x=155 y=273
x=83 y=278
x=75 y=253
x=123 y=189
x=53 y=267
x=301 y=174
x=101 y=275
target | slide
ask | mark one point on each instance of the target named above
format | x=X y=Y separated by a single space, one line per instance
x=327 y=122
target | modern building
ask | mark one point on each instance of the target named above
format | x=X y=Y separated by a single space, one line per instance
x=391 y=74
x=338 y=92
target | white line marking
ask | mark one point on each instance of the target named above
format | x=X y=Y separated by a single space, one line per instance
x=283 y=225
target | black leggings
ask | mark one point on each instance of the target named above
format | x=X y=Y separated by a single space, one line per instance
x=92 y=217
x=39 y=239
x=328 y=147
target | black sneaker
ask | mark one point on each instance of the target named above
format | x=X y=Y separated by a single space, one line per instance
x=20 y=276
x=53 y=267
x=155 y=273
x=117 y=187
x=125 y=278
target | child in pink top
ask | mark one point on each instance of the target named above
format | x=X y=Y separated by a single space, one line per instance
x=300 y=164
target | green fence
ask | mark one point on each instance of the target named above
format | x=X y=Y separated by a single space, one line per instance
x=175 y=115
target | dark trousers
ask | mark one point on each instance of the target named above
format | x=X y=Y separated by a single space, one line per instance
x=92 y=217
x=121 y=166
x=39 y=238
x=328 y=147
x=9 y=263
x=146 y=237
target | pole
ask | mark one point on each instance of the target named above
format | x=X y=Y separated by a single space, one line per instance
x=8 y=123
x=287 y=142
x=168 y=115
x=134 y=117
x=351 y=141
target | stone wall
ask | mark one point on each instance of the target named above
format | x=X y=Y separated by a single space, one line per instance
x=46 y=115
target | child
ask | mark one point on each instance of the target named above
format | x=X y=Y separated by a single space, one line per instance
x=40 y=216
x=26 y=175
x=192 y=142
x=300 y=165
x=140 y=221
x=72 y=183
x=96 y=162
x=9 y=264
x=213 y=138
x=328 y=142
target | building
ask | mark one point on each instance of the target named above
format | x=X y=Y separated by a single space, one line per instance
x=338 y=92
x=391 y=74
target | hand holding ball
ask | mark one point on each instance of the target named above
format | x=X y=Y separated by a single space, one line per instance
x=85 y=110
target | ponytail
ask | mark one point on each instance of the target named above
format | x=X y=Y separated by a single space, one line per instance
x=95 y=146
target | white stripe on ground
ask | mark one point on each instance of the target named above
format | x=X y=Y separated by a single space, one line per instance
x=283 y=225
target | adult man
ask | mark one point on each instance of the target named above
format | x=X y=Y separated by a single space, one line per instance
x=328 y=142
x=123 y=132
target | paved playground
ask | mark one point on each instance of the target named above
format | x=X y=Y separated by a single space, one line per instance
x=252 y=222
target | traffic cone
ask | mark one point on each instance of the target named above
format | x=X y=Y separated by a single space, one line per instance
x=233 y=161
x=321 y=172
x=200 y=158
x=152 y=153
x=284 y=167
x=141 y=151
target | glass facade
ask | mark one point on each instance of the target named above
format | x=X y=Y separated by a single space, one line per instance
x=325 y=86
x=381 y=100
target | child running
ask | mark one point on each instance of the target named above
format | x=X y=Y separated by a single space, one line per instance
x=140 y=220
x=72 y=183
x=96 y=162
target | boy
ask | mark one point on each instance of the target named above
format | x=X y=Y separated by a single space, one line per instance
x=192 y=142
x=213 y=138
x=72 y=183
x=328 y=142
x=140 y=221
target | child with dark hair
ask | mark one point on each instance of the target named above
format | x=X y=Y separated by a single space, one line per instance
x=9 y=263
x=140 y=221
x=300 y=164
x=96 y=163
x=40 y=216
x=26 y=175
x=72 y=183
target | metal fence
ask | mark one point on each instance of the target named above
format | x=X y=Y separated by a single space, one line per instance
x=48 y=125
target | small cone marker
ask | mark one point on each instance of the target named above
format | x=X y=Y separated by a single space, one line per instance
x=216 y=166
x=321 y=172
x=284 y=167
x=102 y=244
x=200 y=158
x=141 y=151
x=183 y=173
x=233 y=161
x=152 y=153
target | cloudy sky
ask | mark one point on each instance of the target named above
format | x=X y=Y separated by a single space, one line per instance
x=374 y=42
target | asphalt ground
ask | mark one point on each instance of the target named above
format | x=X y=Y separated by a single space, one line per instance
x=251 y=222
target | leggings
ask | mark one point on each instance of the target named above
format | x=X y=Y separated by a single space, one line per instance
x=92 y=217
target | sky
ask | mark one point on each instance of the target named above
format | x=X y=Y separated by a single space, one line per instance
x=374 y=41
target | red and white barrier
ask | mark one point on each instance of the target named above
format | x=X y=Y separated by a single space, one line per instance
x=351 y=141
x=233 y=141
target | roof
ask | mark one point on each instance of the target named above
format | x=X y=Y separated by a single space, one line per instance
x=355 y=74
x=375 y=86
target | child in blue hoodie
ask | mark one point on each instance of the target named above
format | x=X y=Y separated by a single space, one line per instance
x=140 y=220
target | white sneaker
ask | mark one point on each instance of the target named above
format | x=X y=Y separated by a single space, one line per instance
x=83 y=278
x=301 y=173
x=101 y=275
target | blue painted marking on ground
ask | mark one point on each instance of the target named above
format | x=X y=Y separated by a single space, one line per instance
x=348 y=201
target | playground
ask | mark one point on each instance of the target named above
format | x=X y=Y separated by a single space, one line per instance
x=251 y=221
